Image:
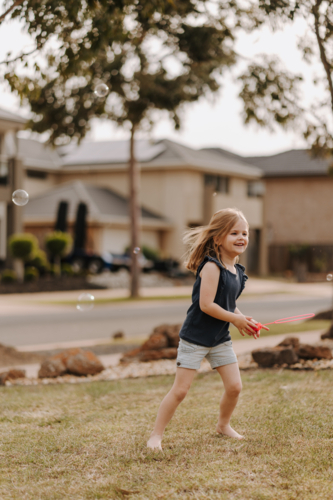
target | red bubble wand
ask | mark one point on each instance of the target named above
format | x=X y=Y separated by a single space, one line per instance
x=285 y=320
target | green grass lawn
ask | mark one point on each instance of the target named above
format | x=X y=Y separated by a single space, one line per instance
x=88 y=441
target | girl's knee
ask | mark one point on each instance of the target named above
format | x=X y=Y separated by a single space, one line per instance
x=234 y=389
x=179 y=392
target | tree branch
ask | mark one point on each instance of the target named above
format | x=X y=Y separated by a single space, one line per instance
x=19 y=57
x=15 y=4
x=326 y=64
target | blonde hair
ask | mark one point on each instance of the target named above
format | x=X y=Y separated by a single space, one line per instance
x=200 y=240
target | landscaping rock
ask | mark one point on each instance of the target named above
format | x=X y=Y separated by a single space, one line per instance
x=328 y=334
x=266 y=357
x=75 y=361
x=168 y=353
x=290 y=341
x=287 y=356
x=171 y=332
x=131 y=356
x=64 y=356
x=11 y=375
x=84 y=363
x=118 y=335
x=162 y=344
x=52 y=367
x=271 y=356
x=155 y=341
x=307 y=351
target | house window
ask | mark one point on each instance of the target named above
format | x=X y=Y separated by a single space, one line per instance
x=255 y=189
x=36 y=174
x=219 y=183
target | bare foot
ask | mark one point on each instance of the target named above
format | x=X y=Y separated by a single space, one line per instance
x=154 y=442
x=226 y=430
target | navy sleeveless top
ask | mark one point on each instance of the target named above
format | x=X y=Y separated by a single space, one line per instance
x=201 y=328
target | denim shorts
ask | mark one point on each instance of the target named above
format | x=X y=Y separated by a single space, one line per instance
x=190 y=355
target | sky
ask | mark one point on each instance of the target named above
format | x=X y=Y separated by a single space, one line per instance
x=207 y=123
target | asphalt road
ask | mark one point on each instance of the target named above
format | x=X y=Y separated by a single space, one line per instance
x=136 y=319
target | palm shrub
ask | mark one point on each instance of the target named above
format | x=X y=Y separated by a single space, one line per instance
x=58 y=244
x=22 y=247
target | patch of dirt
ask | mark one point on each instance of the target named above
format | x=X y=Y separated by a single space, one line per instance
x=10 y=356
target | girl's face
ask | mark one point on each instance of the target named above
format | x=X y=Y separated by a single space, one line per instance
x=236 y=241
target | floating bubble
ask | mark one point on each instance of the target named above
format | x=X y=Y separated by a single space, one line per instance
x=101 y=90
x=136 y=250
x=85 y=302
x=214 y=194
x=20 y=197
x=329 y=277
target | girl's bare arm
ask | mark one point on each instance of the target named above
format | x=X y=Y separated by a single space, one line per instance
x=209 y=283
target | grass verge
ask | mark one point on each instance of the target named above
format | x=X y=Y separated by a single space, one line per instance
x=112 y=300
x=284 y=328
x=88 y=441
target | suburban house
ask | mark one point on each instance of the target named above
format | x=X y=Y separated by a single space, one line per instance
x=180 y=188
x=298 y=207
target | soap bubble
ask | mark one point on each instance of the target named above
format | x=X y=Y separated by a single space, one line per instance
x=85 y=302
x=329 y=277
x=214 y=194
x=20 y=197
x=136 y=250
x=101 y=90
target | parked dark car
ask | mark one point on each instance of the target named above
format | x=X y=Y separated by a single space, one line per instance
x=124 y=261
x=81 y=260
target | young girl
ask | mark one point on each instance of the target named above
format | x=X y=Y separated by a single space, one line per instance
x=213 y=255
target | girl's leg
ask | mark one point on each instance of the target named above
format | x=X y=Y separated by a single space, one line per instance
x=182 y=383
x=233 y=385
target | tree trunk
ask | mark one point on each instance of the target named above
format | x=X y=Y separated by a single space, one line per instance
x=134 y=185
x=19 y=269
x=57 y=265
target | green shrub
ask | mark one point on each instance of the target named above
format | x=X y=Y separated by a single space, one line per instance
x=23 y=245
x=39 y=260
x=58 y=243
x=67 y=270
x=31 y=274
x=150 y=253
x=8 y=276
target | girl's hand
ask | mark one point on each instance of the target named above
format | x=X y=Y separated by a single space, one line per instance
x=246 y=324
x=256 y=335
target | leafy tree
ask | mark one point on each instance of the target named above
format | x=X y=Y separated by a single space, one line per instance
x=272 y=95
x=153 y=56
